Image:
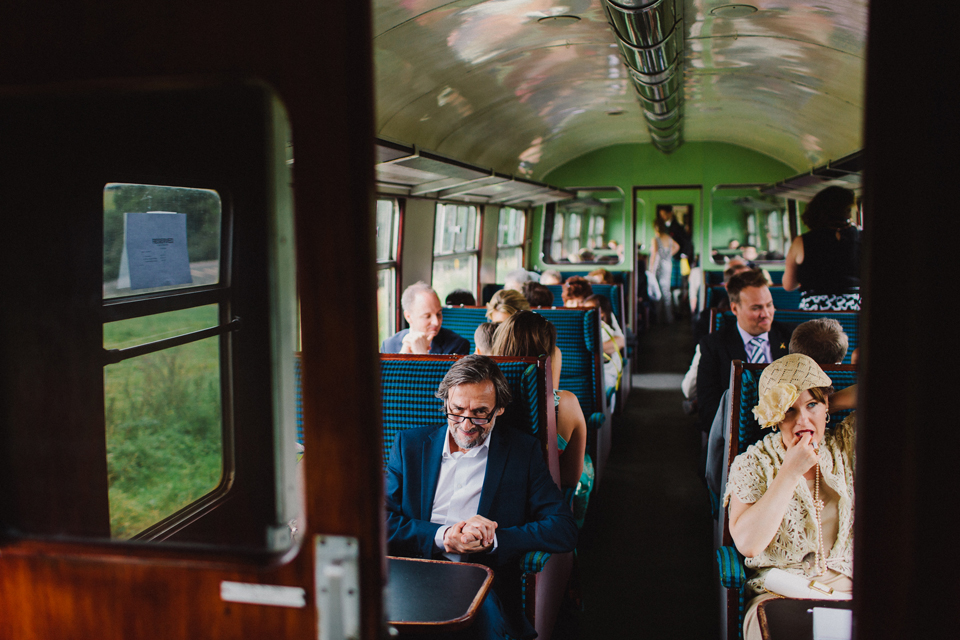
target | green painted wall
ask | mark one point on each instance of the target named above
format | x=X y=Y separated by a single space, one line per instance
x=704 y=164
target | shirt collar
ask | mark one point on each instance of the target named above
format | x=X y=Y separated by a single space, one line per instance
x=746 y=337
x=469 y=454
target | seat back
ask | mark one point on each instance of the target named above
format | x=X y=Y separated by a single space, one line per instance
x=783 y=299
x=614 y=293
x=744 y=430
x=849 y=320
x=409 y=384
x=464 y=322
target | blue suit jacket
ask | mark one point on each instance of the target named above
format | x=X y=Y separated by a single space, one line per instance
x=445 y=342
x=518 y=494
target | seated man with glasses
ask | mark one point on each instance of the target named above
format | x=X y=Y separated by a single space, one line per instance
x=472 y=493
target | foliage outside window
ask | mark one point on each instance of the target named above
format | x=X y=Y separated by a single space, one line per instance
x=388 y=223
x=597 y=224
x=571 y=239
x=163 y=408
x=510 y=238
x=455 y=249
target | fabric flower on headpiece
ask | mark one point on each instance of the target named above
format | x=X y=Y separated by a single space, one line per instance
x=774 y=404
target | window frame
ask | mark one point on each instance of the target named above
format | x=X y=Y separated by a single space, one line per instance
x=153 y=303
x=394 y=262
x=522 y=242
x=473 y=253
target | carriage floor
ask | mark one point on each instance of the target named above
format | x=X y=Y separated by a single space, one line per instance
x=645 y=552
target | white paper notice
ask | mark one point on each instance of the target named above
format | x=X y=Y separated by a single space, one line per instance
x=154 y=251
x=832 y=624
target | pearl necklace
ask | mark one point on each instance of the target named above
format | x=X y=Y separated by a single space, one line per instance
x=820 y=559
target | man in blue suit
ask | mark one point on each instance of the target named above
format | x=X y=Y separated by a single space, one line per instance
x=422 y=310
x=472 y=493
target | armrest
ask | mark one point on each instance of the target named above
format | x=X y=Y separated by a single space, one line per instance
x=534 y=561
x=733 y=574
x=596 y=420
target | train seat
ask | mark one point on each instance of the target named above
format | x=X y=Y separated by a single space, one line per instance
x=849 y=320
x=744 y=430
x=408 y=384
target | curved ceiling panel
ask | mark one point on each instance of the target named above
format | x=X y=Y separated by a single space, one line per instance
x=523 y=86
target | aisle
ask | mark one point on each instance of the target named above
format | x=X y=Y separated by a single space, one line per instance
x=646 y=549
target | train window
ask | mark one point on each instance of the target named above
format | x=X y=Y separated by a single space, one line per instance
x=163 y=419
x=510 y=238
x=162 y=385
x=579 y=230
x=456 y=248
x=388 y=225
x=150 y=243
x=754 y=223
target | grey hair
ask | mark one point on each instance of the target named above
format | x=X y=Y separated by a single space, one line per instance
x=822 y=339
x=474 y=369
x=409 y=297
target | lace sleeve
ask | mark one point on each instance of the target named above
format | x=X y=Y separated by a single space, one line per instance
x=746 y=478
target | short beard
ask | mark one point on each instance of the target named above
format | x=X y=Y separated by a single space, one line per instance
x=473 y=444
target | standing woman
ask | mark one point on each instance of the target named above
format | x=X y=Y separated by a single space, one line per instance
x=791 y=494
x=825 y=261
x=664 y=248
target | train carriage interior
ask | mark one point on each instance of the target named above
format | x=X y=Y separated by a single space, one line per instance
x=213 y=211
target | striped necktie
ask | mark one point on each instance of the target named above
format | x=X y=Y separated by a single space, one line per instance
x=755 y=347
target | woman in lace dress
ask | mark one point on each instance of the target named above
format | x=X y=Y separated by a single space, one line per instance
x=791 y=494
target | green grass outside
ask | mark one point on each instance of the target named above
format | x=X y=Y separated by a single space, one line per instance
x=163 y=420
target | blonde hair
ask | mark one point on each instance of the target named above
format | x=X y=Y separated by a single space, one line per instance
x=507 y=301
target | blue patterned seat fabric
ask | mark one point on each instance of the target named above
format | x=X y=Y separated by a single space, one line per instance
x=614 y=293
x=849 y=320
x=732 y=569
x=576 y=338
x=408 y=386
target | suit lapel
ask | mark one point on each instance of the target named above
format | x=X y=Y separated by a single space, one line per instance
x=430 y=471
x=735 y=343
x=496 y=463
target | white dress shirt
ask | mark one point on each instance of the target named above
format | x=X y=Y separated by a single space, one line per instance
x=458 y=488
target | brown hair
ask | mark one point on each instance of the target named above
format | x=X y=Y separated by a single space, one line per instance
x=576 y=287
x=525 y=334
x=822 y=339
x=743 y=280
x=537 y=295
x=483 y=337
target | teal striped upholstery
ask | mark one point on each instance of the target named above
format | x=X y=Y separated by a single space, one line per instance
x=783 y=299
x=849 y=320
x=298 y=394
x=464 y=321
x=732 y=574
x=578 y=339
x=534 y=561
x=614 y=293
x=408 y=385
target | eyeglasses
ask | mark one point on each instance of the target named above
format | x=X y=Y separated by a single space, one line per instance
x=455 y=419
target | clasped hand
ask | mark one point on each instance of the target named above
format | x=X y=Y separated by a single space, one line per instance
x=474 y=535
x=415 y=342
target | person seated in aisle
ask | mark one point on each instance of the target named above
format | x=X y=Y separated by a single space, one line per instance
x=470 y=491
x=575 y=292
x=515 y=279
x=551 y=276
x=504 y=304
x=422 y=310
x=460 y=298
x=754 y=337
x=823 y=340
x=483 y=338
x=537 y=295
x=601 y=276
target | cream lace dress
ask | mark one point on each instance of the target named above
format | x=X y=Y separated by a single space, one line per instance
x=794 y=546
